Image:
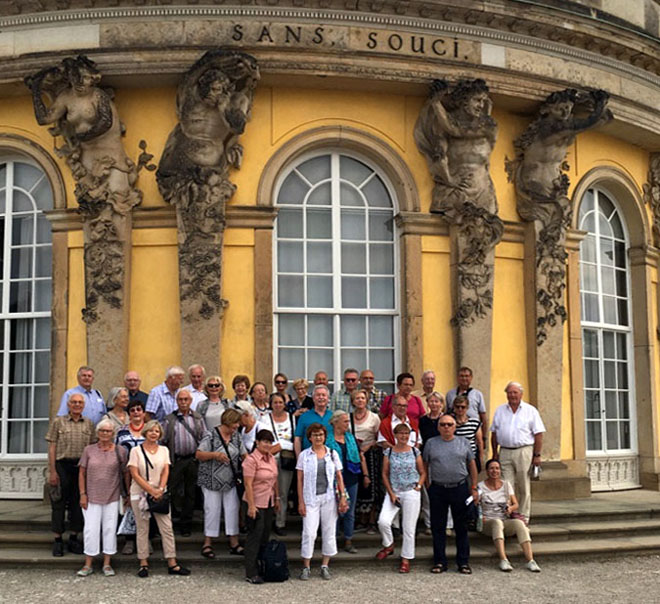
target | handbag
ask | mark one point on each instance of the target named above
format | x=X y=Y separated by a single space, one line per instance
x=156 y=506
x=287 y=458
x=238 y=478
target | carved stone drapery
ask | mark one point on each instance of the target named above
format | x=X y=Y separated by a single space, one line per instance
x=652 y=193
x=456 y=134
x=538 y=172
x=85 y=119
x=213 y=106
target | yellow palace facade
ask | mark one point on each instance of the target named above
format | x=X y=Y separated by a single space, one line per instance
x=398 y=186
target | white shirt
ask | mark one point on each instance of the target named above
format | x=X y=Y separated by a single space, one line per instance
x=284 y=432
x=517 y=429
x=413 y=440
x=198 y=396
x=307 y=462
x=250 y=437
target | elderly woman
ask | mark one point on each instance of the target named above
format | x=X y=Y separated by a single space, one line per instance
x=354 y=469
x=262 y=498
x=117 y=405
x=428 y=424
x=468 y=427
x=149 y=464
x=403 y=477
x=260 y=402
x=220 y=453
x=302 y=401
x=364 y=426
x=318 y=468
x=498 y=502
x=214 y=406
x=102 y=474
x=283 y=428
x=281 y=384
x=241 y=386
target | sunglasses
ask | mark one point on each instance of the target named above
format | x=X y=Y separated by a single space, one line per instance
x=213 y=385
x=446 y=425
x=280 y=381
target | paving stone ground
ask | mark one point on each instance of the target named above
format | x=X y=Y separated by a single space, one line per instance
x=617 y=579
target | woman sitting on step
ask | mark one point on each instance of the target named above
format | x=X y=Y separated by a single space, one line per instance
x=498 y=503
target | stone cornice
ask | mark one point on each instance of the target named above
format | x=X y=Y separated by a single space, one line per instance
x=539 y=30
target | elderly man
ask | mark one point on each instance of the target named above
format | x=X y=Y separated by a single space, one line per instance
x=399 y=416
x=132 y=383
x=94 y=403
x=341 y=399
x=375 y=397
x=319 y=414
x=518 y=432
x=67 y=437
x=477 y=407
x=162 y=398
x=197 y=376
x=321 y=379
x=428 y=388
x=452 y=477
x=182 y=431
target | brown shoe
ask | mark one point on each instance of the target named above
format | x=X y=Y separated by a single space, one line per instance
x=386 y=551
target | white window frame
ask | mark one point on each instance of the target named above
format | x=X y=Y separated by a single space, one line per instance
x=335 y=373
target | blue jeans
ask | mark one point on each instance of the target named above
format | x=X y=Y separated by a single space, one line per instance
x=441 y=499
x=346 y=521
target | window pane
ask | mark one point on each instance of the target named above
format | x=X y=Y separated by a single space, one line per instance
x=606 y=252
x=624 y=435
x=592 y=400
x=608 y=345
x=588 y=249
x=621 y=284
x=587 y=203
x=22 y=230
x=20 y=296
x=20 y=368
x=611 y=404
x=41 y=367
x=594 y=437
x=19 y=437
x=622 y=346
x=39 y=444
x=590 y=307
x=319 y=331
x=290 y=291
x=353 y=358
x=293 y=190
x=381 y=331
x=319 y=257
x=381 y=259
x=589 y=223
x=623 y=312
x=607 y=277
x=381 y=293
x=41 y=402
x=319 y=360
x=43 y=195
x=591 y=379
x=44 y=234
x=353 y=292
x=606 y=206
x=612 y=429
x=43 y=294
x=352 y=224
x=617 y=227
x=22 y=202
x=622 y=375
x=20 y=337
x=292 y=362
x=381 y=362
x=354 y=258
x=21 y=263
x=316 y=169
x=26 y=176
x=381 y=226
x=624 y=406
x=289 y=224
x=350 y=196
x=319 y=292
x=620 y=254
x=376 y=193
x=353 y=170
x=590 y=343
x=609 y=310
x=291 y=330
x=319 y=224
x=19 y=402
x=320 y=196
x=290 y=257
x=609 y=374
x=43 y=261
x=353 y=331
x=589 y=280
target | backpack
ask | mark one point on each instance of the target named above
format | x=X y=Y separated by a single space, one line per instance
x=274 y=562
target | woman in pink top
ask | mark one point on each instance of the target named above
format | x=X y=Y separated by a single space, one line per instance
x=405 y=383
x=262 y=498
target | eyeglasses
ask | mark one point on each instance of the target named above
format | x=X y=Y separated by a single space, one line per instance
x=213 y=385
x=446 y=425
x=280 y=381
x=460 y=406
x=105 y=430
x=140 y=409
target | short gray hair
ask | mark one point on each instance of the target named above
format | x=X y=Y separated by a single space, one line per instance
x=336 y=415
x=112 y=396
x=319 y=387
x=428 y=372
x=516 y=384
x=106 y=422
x=174 y=370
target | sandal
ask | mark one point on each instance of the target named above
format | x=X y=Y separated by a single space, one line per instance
x=177 y=569
x=237 y=550
x=143 y=572
x=438 y=568
x=404 y=567
x=207 y=552
x=464 y=570
x=386 y=551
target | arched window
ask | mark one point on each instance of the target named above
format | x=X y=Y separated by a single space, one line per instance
x=25 y=304
x=606 y=328
x=336 y=302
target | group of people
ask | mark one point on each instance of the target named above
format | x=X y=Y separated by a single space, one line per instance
x=358 y=456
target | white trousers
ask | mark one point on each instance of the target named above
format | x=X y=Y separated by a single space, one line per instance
x=324 y=510
x=214 y=501
x=410 y=504
x=101 y=519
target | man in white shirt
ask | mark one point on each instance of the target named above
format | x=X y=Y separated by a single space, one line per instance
x=518 y=432
x=197 y=376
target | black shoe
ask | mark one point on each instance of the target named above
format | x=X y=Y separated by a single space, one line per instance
x=280 y=532
x=75 y=546
x=178 y=570
x=185 y=532
x=256 y=580
x=58 y=548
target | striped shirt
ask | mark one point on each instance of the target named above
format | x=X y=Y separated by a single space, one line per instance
x=468 y=430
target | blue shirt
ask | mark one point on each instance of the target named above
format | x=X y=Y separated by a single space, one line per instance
x=161 y=402
x=94 y=403
x=307 y=419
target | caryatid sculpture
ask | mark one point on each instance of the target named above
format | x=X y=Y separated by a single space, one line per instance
x=213 y=106
x=456 y=134
x=538 y=171
x=84 y=117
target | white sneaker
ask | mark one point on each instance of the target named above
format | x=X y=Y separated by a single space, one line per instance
x=533 y=566
x=305 y=574
x=325 y=573
x=505 y=566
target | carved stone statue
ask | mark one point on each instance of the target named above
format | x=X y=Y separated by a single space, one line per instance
x=213 y=106
x=541 y=186
x=456 y=134
x=84 y=116
x=652 y=193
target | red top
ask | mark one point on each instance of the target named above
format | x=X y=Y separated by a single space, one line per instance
x=415 y=407
x=263 y=468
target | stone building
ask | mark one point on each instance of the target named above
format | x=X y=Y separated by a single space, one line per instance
x=398 y=185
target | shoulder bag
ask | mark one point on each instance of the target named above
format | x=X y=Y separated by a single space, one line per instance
x=287 y=458
x=156 y=506
x=238 y=478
